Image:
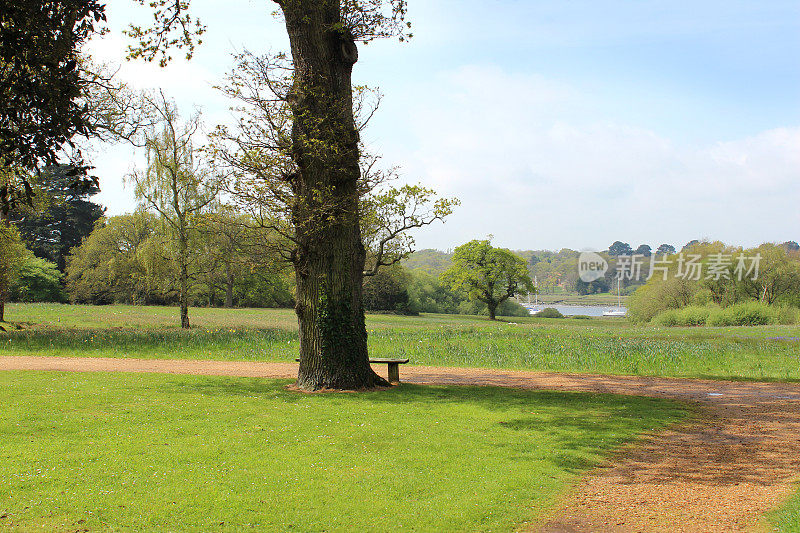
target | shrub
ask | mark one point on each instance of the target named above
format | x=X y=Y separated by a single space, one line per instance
x=686 y=316
x=512 y=308
x=581 y=317
x=667 y=318
x=787 y=315
x=694 y=316
x=746 y=314
x=549 y=312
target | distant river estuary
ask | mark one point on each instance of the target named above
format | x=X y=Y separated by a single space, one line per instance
x=587 y=310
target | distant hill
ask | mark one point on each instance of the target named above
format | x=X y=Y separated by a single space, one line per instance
x=433 y=262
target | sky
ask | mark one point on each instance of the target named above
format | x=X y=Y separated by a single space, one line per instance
x=568 y=124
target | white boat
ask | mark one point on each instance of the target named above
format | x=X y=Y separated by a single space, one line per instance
x=534 y=308
x=619 y=311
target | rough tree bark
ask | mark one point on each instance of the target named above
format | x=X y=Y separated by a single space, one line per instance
x=329 y=261
x=492 y=310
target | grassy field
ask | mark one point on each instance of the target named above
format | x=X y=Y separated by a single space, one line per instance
x=611 y=346
x=787 y=519
x=133 y=452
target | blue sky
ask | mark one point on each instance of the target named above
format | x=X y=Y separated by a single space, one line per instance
x=557 y=124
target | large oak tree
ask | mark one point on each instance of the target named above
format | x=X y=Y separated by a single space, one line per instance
x=299 y=144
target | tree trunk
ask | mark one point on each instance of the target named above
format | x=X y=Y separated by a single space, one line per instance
x=492 y=310
x=329 y=262
x=184 y=301
x=184 y=280
x=228 y=286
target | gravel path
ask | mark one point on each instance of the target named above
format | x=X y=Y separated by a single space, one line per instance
x=740 y=459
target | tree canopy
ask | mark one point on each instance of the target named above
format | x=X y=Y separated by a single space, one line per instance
x=487 y=274
x=41 y=84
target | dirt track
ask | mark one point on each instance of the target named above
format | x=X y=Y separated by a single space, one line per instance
x=721 y=473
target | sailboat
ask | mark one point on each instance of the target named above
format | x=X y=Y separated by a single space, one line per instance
x=618 y=311
x=533 y=309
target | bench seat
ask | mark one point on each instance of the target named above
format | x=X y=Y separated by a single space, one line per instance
x=392 y=364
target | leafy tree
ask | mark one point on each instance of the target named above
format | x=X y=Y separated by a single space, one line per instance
x=487 y=274
x=12 y=254
x=620 y=248
x=179 y=187
x=644 y=249
x=658 y=295
x=42 y=87
x=667 y=249
x=689 y=244
x=65 y=216
x=122 y=260
x=791 y=246
x=387 y=290
x=39 y=280
x=387 y=215
x=778 y=275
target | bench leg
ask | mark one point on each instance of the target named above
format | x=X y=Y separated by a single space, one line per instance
x=394 y=373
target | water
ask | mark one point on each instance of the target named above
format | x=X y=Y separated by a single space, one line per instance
x=588 y=310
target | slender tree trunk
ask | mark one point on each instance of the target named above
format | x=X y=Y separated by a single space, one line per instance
x=183 y=275
x=228 y=286
x=330 y=257
x=184 y=298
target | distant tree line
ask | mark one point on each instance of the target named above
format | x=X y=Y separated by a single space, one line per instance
x=773 y=282
x=131 y=259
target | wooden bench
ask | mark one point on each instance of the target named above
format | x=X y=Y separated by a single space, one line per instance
x=393 y=364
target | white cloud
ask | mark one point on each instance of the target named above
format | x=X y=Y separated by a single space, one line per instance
x=534 y=166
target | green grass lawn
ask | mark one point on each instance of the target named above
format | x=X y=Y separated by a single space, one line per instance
x=136 y=452
x=611 y=346
x=787 y=519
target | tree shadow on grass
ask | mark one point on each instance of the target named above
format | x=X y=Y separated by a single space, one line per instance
x=580 y=427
